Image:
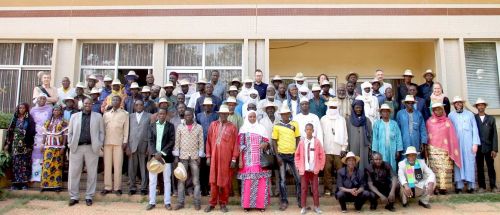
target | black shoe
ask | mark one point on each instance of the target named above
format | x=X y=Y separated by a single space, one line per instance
x=209 y=208
x=88 y=202
x=178 y=207
x=118 y=192
x=405 y=205
x=144 y=192
x=104 y=192
x=373 y=207
x=150 y=207
x=458 y=191
x=168 y=207
x=131 y=192
x=390 y=208
x=470 y=191
x=428 y=206
x=224 y=209
x=72 y=202
x=443 y=192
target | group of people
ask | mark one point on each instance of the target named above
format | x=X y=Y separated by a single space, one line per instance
x=222 y=140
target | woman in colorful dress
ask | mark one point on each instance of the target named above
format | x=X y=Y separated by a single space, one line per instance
x=255 y=181
x=20 y=142
x=53 y=151
x=40 y=113
x=443 y=148
x=437 y=96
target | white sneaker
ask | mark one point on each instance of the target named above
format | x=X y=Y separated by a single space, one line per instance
x=303 y=211
x=318 y=211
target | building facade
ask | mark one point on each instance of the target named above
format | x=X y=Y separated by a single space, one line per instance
x=457 y=40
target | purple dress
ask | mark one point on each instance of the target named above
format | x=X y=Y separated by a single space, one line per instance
x=40 y=116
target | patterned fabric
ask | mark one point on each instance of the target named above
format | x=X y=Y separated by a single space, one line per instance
x=188 y=143
x=40 y=116
x=21 y=166
x=52 y=168
x=411 y=173
x=56 y=130
x=255 y=192
x=442 y=166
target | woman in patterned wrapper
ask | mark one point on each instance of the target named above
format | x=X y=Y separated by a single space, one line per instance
x=255 y=181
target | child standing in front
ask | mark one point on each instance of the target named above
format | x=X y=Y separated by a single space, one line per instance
x=309 y=160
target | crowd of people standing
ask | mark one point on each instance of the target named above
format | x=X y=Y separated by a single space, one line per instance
x=378 y=142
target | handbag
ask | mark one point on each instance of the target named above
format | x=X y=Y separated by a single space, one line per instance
x=268 y=159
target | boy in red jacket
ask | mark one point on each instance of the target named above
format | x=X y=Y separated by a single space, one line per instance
x=309 y=160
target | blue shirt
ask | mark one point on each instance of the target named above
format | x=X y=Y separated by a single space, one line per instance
x=219 y=90
x=129 y=103
x=96 y=107
x=425 y=91
x=217 y=102
x=317 y=108
x=413 y=130
x=205 y=120
x=104 y=93
x=261 y=88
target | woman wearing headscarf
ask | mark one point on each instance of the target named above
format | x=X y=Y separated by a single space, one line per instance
x=253 y=97
x=255 y=181
x=438 y=96
x=443 y=148
x=40 y=113
x=53 y=151
x=19 y=143
x=359 y=132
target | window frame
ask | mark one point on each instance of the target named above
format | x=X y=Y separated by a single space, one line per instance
x=115 y=67
x=20 y=67
x=202 y=69
x=470 y=106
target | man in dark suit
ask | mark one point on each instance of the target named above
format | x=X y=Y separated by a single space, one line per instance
x=137 y=146
x=85 y=141
x=488 y=149
x=161 y=145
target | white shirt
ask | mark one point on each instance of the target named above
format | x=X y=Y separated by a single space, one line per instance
x=303 y=120
x=63 y=95
x=482 y=118
x=138 y=116
x=293 y=103
x=309 y=154
x=331 y=146
x=192 y=100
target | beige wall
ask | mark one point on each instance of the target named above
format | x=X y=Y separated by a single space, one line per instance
x=337 y=58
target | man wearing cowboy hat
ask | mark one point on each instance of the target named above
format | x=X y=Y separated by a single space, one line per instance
x=106 y=90
x=425 y=90
x=317 y=103
x=161 y=145
x=468 y=138
x=488 y=149
x=185 y=90
x=276 y=81
x=403 y=87
x=169 y=95
x=420 y=103
x=116 y=89
x=189 y=147
x=130 y=78
x=412 y=126
x=387 y=137
x=334 y=142
x=91 y=82
x=96 y=103
x=69 y=108
x=222 y=151
x=376 y=91
x=233 y=116
x=351 y=184
x=200 y=87
x=233 y=92
x=80 y=95
x=284 y=140
x=134 y=96
x=216 y=101
x=270 y=97
x=236 y=82
x=415 y=178
x=149 y=104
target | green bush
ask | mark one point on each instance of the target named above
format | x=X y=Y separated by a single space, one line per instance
x=4 y=162
x=5 y=119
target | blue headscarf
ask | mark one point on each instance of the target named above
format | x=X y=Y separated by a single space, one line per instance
x=356 y=120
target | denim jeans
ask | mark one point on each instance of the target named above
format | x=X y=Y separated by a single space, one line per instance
x=194 y=166
x=288 y=160
x=153 y=178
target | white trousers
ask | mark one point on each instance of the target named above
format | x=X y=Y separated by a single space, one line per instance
x=153 y=178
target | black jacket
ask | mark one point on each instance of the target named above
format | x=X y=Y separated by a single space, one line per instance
x=487 y=133
x=167 y=142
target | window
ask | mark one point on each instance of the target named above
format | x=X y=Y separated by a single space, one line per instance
x=202 y=58
x=481 y=59
x=115 y=60
x=19 y=65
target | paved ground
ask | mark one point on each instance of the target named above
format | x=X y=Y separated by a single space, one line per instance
x=17 y=206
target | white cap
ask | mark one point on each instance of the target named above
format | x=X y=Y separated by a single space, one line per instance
x=202 y=81
x=408 y=72
x=134 y=85
x=168 y=84
x=146 y=89
x=231 y=99
x=480 y=101
x=232 y=88
x=224 y=109
x=284 y=109
x=385 y=107
x=299 y=77
x=325 y=82
x=132 y=73
x=316 y=87
x=409 y=98
x=107 y=78
x=81 y=85
x=304 y=99
x=457 y=99
x=92 y=77
x=208 y=101
x=116 y=82
x=95 y=91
